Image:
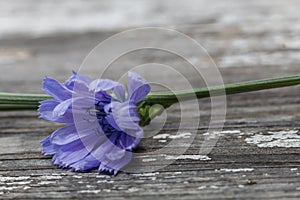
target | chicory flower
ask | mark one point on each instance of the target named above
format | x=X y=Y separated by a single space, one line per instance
x=102 y=122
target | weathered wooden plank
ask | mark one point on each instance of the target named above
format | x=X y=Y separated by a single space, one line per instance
x=257 y=154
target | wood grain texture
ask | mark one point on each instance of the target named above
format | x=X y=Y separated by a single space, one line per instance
x=257 y=154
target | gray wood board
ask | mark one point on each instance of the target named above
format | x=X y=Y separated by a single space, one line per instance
x=256 y=156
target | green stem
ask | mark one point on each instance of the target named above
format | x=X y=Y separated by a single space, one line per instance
x=233 y=88
x=13 y=101
x=28 y=99
x=18 y=106
x=166 y=99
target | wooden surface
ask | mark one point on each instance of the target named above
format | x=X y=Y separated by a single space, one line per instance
x=257 y=154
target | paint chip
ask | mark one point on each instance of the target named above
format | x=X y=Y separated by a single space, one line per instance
x=148 y=159
x=192 y=157
x=177 y=136
x=286 y=138
x=235 y=170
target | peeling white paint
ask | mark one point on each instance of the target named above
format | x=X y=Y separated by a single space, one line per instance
x=46 y=182
x=11 y=178
x=224 y=132
x=177 y=136
x=51 y=177
x=161 y=136
x=202 y=187
x=192 y=157
x=18 y=183
x=133 y=189
x=105 y=181
x=147 y=174
x=231 y=132
x=181 y=135
x=56 y=174
x=177 y=172
x=89 y=191
x=216 y=134
x=10 y=188
x=76 y=176
x=294 y=169
x=102 y=176
x=162 y=141
x=148 y=159
x=235 y=170
x=26 y=187
x=170 y=177
x=286 y=138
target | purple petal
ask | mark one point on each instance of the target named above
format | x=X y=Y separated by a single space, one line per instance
x=85 y=164
x=138 y=87
x=78 y=108
x=76 y=78
x=64 y=135
x=91 y=134
x=111 y=157
x=124 y=117
x=47 y=147
x=128 y=142
x=70 y=153
x=56 y=89
x=119 y=91
x=46 y=112
x=102 y=85
x=63 y=111
x=46 y=109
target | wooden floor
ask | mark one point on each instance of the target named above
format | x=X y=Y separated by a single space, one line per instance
x=256 y=156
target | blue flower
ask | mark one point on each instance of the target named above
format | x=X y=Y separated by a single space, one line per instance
x=102 y=125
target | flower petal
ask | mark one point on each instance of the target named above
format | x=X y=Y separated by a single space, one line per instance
x=63 y=111
x=119 y=91
x=64 y=135
x=103 y=85
x=111 y=157
x=76 y=78
x=128 y=142
x=138 y=87
x=70 y=153
x=124 y=117
x=87 y=163
x=56 y=89
x=47 y=147
x=46 y=109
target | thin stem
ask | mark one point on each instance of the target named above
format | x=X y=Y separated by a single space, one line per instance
x=15 y=98
x=13 y=101
x=233 y=88
x=18 y=107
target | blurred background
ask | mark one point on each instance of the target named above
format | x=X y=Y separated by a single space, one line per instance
x=246 y=39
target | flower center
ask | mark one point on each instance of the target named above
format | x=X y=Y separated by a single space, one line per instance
x=117 y=137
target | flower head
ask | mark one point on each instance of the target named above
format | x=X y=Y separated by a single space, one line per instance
x=102 y=124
